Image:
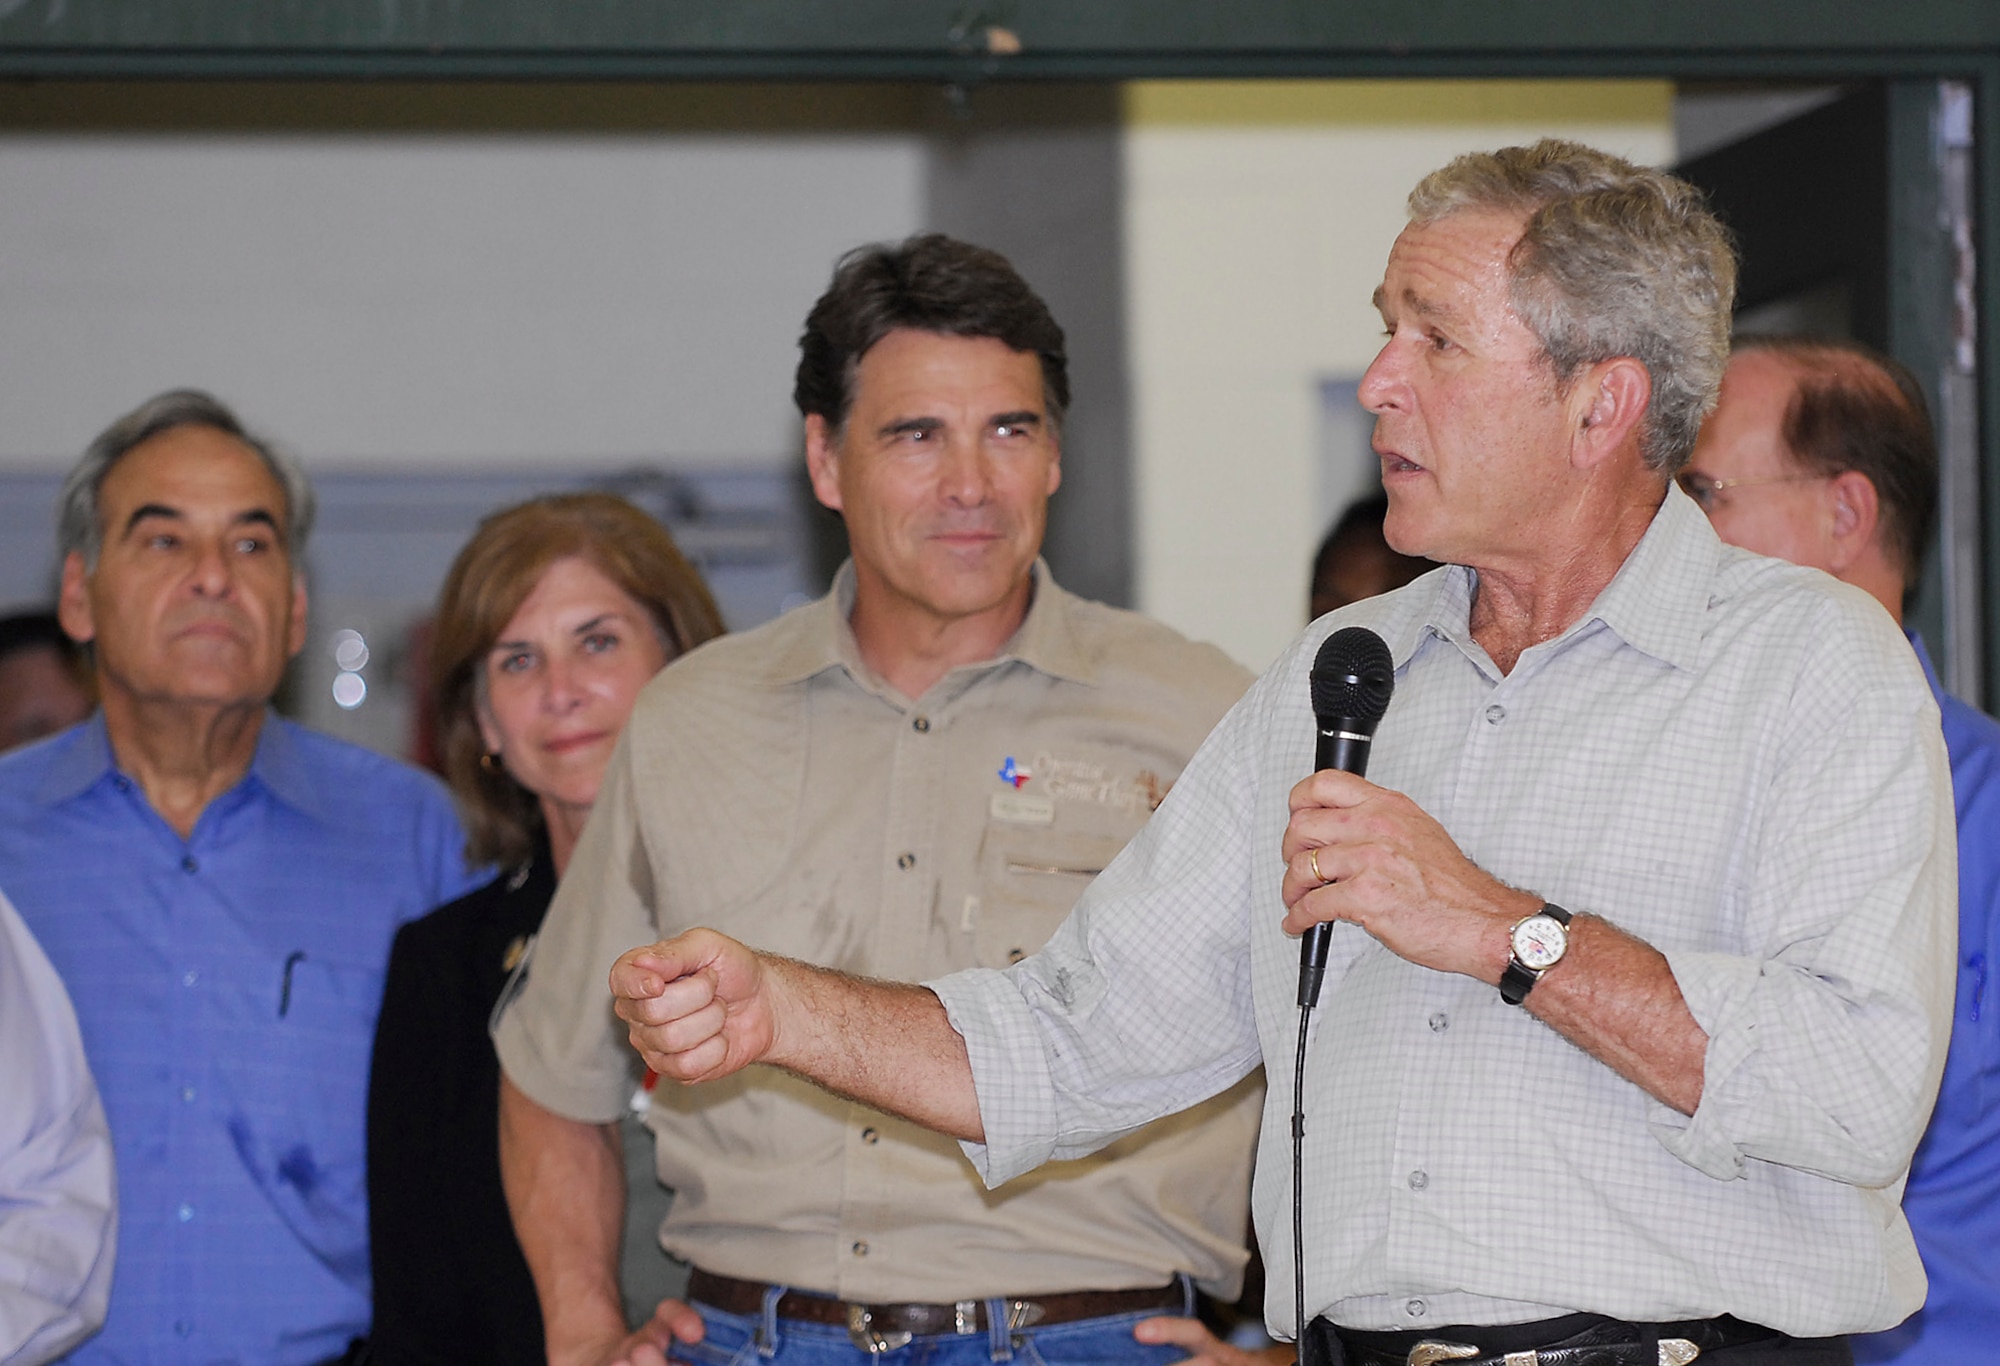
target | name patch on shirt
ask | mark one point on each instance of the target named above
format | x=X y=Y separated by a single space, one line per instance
x=1022 y=808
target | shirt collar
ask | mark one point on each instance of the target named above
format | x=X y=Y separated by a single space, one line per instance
x=1045 y=641
x=282 y=769
x=277 y=765
x=1657 y=602
x=84 y=759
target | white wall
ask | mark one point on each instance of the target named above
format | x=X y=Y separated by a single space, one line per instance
x=434 y=299
x=1257 y=220
x=506 y=297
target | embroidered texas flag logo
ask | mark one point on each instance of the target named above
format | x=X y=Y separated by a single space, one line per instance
x=1014 y=774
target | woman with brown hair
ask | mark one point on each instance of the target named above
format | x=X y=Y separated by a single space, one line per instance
x=552 y=618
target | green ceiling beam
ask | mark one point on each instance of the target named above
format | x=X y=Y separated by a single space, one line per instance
x=971 y=40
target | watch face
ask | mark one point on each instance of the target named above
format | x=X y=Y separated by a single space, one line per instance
x=1539 y=942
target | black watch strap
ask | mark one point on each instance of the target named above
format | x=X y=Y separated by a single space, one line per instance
x=1519 y=979
x=1516 y=982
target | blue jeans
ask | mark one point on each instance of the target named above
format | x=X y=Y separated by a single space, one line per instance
x=758 y=1339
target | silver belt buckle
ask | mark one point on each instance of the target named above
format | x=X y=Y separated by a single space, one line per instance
x=1431 y=1351
x=861 y=1332
x=1024 y=1314
x=1672 y=1352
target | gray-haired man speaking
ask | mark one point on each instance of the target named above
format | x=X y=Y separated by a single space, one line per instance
x=1640 y=973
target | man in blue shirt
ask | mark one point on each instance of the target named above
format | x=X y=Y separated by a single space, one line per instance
x=218 y=889
x=1820 y=452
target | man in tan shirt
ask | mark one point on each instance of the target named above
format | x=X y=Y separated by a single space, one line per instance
x=916 y=774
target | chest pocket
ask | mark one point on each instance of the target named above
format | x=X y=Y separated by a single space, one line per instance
x=1028 y=879
x=296 y=1106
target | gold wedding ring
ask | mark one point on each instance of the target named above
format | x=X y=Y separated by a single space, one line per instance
x=1312 y=862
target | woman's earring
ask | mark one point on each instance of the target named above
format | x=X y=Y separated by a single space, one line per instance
x=490 y=761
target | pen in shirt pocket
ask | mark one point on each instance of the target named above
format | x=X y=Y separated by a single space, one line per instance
x=292 y=960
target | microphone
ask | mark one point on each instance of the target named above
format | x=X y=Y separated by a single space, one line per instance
x=1352 y=678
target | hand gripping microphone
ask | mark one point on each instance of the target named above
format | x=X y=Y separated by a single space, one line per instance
x=1352 y=678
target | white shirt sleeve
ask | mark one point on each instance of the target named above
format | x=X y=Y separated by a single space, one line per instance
x=58 y=1210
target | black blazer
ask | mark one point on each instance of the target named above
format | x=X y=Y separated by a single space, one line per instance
x=450 y=1282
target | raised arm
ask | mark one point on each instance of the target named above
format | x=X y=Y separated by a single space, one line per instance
x=701 y=1006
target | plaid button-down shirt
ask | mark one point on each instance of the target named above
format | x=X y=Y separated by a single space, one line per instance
x=1731 y=758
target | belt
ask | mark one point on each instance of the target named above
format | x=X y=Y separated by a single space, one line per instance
x=1573 y=1340
x=882 y=1327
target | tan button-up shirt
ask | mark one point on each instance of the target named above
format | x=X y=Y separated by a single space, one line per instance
x=770 y=786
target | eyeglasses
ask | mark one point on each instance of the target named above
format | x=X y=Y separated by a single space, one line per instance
x=1703 y=489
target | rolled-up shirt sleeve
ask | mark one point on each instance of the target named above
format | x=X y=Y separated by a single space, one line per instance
x=1735 y=761
x=1827 y=1040
x=1140 y=1004
x=58 y=1212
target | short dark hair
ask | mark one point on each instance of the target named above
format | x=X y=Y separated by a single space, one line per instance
x=927 y=283
x=38 y=630
x=1358 y=531
x=1857 y=409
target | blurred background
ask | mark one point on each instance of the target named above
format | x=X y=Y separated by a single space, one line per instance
x=447 y=295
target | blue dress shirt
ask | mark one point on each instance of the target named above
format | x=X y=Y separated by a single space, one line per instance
x=1953 y=1199
x=227 y=985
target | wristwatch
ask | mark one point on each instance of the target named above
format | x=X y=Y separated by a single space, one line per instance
x=1539 y=942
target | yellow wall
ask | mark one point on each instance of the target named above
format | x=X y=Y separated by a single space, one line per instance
x=1257 y=220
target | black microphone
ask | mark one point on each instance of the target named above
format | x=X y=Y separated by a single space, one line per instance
x=1352 y=678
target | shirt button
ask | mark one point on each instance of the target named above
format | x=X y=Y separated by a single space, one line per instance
x=1495 y=714
x=860 y=1249
x=870 y=1136
x=185 y=1212
x=921 y=725
x=1416 y=1309
x=190 y=977
x=1418 y=1180
x=906 y=861
x=1439 y=1022
x=187 y=1095
x=188 y=865
x=122 y=783
x=182 y=1328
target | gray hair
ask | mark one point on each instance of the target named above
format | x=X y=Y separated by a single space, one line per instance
x=1615 y=260
x=78 y=527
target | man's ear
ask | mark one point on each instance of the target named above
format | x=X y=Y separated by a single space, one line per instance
x=73 y=603
x=823 y=460
x=1857 y=516
x=295 y=635
x=1607 y=402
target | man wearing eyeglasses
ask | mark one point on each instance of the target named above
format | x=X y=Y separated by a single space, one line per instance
x=1820 y=453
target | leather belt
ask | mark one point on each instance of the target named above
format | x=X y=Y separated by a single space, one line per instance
x=1574 y=1340
x=881 y=1327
